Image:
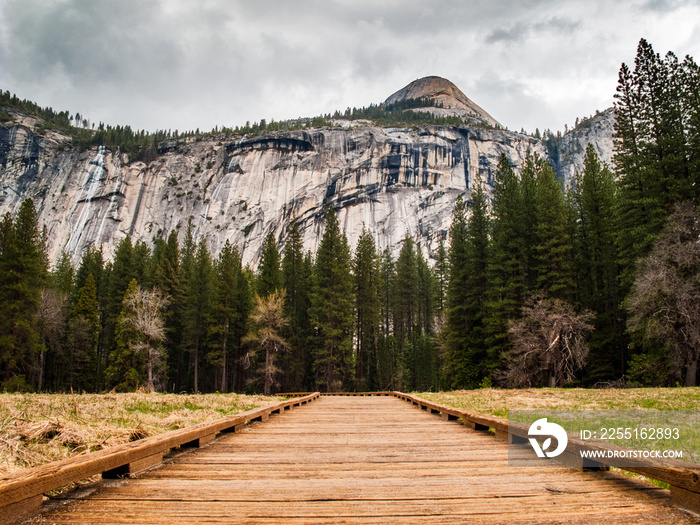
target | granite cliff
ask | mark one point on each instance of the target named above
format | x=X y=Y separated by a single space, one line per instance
x=393 y=180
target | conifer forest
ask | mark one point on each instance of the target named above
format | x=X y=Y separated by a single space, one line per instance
x=534 y=286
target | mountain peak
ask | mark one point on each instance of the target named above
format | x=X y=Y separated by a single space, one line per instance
x=449 y=97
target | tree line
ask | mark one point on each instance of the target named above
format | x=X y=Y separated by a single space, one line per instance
x=532 y=286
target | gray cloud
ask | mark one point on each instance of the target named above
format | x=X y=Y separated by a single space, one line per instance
x=158 y=64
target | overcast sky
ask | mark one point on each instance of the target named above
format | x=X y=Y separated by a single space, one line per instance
x=186 y=64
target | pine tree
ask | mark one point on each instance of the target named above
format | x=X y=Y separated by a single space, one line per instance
x=477 y=364
x=168 y=278
x=653 y=150
x=198 y=292
x=596 y=266
x=442 y=277
x=83 y=337
x=269 y=272
x=91 y=263
x=426 y=373
x=367 y=314
x=530 y=218
x=296 y=277
x=386 y=348
x=457 y=323
x=506 y=269
x=406 y=307
x=243 y=307
x=121 y=274
x=553 y=249
x=63 y=274
x=23 y=272
x=141 y=265
x=224 y=312
x=332 y=312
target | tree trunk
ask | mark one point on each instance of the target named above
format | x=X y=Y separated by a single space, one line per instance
x=41 y=371
x=223 y=366
x=691 y=373
x=329 y=371
x=196 y=365
x=268 y=376
x=149 y=369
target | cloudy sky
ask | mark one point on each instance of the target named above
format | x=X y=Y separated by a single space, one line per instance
x=186 y=64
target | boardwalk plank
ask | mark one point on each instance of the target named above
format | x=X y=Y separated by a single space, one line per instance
x=365 y=460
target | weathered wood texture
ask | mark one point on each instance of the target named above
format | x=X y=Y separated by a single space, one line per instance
x=366 y=460
x=683 y=478
x=22 y=490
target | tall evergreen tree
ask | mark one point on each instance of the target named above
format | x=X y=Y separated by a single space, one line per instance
x=269 y=273
x=168 y=278
x=387 y=363
x=367 y=314
x=477 y=364
x=23 y=272
x=296 y=277
x=224 y=312
x=124 y=372
x=506 y=270
x=333 y=309
x=91 y=262
x=63 y=274
x=457 y=322
x=654 y=137
x=596 y=266
x=83 y=337
x=141 y=265
x=553 y=256
x=529 y=224
x=406 y=308
x=442 y=276
x=121 y=274
x=198 y=294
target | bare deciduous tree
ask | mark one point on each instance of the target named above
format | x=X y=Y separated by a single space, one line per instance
x=268 y=318
x=146 y=318
x=549 y=344
x=665 y=298
x=53 y=311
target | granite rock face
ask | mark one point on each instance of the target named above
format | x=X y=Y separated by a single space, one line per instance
x=451 y=101
x=394 y=181
x=597 y=130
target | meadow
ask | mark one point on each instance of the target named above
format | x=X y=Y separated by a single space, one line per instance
x=498 y=402
x=40 y=428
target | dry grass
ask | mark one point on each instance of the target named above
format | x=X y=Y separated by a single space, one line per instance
x=40 y=428
x=497 y=402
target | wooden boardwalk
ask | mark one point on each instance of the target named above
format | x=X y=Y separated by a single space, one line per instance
x=365 y=460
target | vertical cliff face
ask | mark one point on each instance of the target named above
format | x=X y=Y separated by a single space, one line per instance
x=394 y=181
x=567 y=157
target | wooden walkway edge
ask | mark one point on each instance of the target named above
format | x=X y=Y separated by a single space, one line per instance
x=21 y=494
x=373 y=459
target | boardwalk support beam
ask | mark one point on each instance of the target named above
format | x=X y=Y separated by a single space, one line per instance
x=132 y=469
